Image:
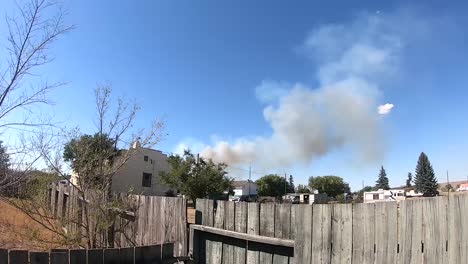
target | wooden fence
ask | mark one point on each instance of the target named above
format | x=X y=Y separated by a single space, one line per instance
x=130 y=255
x=426 y=230
x=153 y=219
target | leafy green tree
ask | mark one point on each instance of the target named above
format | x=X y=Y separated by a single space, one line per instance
x=7 y=177
x=4 y=160
x=4 y=163
x=38 y=184
x=366 y=189
x=291 y=187
x=447 y=188
x=382 y=181
x=301 y=188
x=196 y=177
x=341 y=198
x=409 y=180
x=89 y=156
x=425 y=180
x=331 y=185
x=271 y=185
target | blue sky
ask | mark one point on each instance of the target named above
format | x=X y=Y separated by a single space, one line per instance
x=199 y=64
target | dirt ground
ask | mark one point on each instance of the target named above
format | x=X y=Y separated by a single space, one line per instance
x=18 y=231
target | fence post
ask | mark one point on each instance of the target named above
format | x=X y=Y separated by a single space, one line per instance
x=194 y=250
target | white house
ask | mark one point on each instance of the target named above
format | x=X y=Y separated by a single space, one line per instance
x=307 y=198
x=140 y=174
x=384 y=195
x=244 y=189
x=463 y=187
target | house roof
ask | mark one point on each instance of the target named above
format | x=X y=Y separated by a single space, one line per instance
x=239 y=184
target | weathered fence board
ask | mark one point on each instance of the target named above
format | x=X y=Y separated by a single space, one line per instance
x=155 y=220
x=215 y=248
x=303 y=241
x=457 y=229
x=241 y=227
x=229 y=224
x=342 y=233
x=170 y=221
x=267 y=228
x=199 y=244
x=363 y=233
x=321 y=233
x=410 y=232
x=386 y=232
x=181 y=220
x=435 y=230
x=253 y=227
x=282 y=228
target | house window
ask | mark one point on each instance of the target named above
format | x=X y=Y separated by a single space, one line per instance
x=375 y=196
x=145 y=158
x=147 y=179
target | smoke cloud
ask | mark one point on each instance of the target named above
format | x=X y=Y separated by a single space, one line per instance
x=309 y=122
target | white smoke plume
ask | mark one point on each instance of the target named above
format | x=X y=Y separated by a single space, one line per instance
x=308 y=122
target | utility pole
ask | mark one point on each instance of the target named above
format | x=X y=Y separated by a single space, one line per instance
x=250 y=176
x=448 y=183
x=285 y=184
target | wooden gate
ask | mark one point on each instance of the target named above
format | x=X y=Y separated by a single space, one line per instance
x=229 y=232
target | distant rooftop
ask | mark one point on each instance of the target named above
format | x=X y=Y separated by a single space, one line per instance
x=240 y=184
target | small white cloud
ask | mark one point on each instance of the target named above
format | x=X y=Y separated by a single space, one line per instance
x=385 y=109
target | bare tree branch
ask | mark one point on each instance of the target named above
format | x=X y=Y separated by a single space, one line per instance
x=30 y=36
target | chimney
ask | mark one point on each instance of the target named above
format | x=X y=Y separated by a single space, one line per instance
x=136 y=144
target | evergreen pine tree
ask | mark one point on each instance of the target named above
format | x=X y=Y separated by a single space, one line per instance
x=291 y=188
x=425 y=180
x=382 y=181
x=409 y=180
